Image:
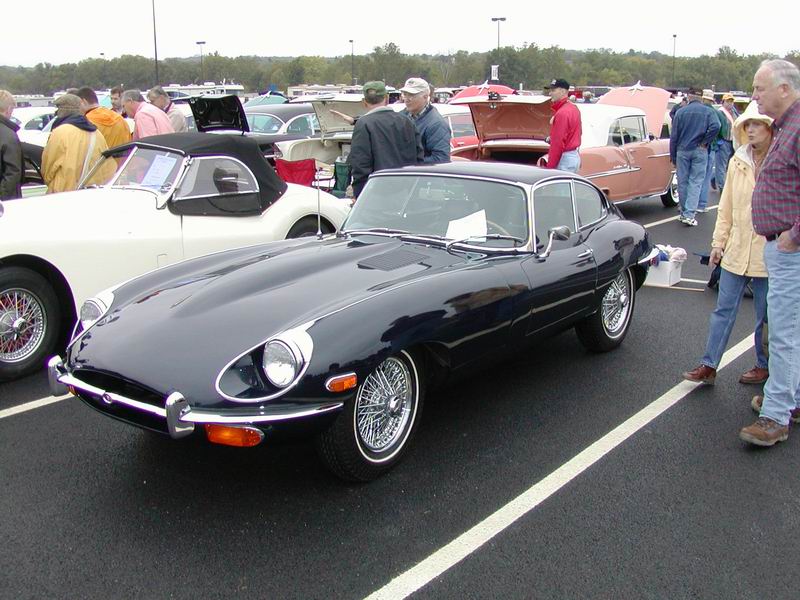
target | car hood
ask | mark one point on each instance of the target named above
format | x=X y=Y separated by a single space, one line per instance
x=652 y=100
x=218 y=113
x=510 y=117
x=197 y=316
x=31 y=224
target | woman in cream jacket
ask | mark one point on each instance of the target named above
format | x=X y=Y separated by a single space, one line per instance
x=740 y=250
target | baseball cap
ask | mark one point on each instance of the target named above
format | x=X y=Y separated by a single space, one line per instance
x=727 y=97
x=559 y=83
x=415 y=85
x=376 y=86
x=708 y=95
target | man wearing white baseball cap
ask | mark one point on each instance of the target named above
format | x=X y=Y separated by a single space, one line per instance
x=433 y=129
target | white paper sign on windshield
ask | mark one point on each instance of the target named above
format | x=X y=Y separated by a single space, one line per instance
x=158 y=172
x=473 y=225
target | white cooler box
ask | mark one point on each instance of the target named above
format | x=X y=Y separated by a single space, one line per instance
x=667 y=273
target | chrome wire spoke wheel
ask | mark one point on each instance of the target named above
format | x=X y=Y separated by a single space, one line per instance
x=616 y=306
x=22 y=324
x=384 y=404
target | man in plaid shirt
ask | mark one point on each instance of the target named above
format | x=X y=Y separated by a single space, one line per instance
x=776 y=216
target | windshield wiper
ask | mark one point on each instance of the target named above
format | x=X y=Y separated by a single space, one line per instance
x=488 y=236
x=379 y=230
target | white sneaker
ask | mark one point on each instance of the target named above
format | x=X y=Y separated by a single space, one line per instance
x=688 y=222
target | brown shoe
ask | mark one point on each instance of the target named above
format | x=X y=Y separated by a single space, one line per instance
x=701 y=374
x=757 y=401
x=764 y=432
x=754 y=375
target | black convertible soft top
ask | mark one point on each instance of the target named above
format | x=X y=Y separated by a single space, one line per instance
x=241 y=147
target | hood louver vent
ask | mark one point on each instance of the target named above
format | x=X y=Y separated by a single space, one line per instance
x=390 y=261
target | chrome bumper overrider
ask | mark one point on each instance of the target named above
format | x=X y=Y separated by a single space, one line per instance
x=180 y=417
x=650 y=256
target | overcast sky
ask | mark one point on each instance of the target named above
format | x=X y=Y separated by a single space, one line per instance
x=73 y=32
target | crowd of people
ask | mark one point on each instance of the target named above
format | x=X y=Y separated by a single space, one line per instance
x=752 y=158
x=82 y=130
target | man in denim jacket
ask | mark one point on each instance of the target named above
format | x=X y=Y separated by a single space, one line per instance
x=433 y=129
x=695 y=127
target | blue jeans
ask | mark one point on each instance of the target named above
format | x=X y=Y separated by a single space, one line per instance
x=724 y=153
x=691 y=167
x=731 y=290
x=782 y=390
x=702 y=202
x=570 y=161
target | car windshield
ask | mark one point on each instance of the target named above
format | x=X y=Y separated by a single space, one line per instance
x=449 y=208
x=155 y=170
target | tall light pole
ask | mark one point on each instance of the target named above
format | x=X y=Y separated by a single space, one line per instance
x=352 y=64
x=202 y=72
x=155 y=42
x=674 y=38
x=497 y=20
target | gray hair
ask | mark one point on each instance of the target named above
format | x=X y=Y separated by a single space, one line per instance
x=6 y=100
x=131 y=96
x=157 y=91
x=783 y=72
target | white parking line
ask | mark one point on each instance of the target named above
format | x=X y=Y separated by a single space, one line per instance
x=675 y=218
x=15 y=410
x=443 y=559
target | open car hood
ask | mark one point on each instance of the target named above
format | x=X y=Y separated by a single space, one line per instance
x=218 y=113
x=510 y=117
x=652 y=100
x=330 y=123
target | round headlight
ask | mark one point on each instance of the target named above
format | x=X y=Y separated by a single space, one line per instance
x=90 y=313
x=280 y=364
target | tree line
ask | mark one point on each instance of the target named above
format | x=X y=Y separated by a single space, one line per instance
x=529 y=66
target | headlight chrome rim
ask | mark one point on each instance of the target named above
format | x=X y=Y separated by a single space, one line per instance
x=95 y=308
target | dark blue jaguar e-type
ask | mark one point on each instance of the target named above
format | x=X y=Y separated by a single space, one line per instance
x=436 y=271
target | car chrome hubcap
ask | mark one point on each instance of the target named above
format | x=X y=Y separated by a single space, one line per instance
x=384 y=405
x=22 y=326
x=616 y=305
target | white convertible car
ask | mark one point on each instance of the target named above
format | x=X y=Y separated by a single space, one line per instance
x=145 y=205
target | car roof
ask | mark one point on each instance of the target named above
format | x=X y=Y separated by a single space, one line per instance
x=510 y=172
x=282 y=111
x=238 y=146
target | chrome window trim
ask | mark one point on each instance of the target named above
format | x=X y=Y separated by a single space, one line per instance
x=551 y=181
x=189 y=163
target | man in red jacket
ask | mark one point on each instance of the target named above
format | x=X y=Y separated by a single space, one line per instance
x=565 y=130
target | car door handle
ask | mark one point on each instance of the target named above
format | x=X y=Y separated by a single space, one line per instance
x=586 y=253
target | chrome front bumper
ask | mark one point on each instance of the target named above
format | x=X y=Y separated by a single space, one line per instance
x=179 y=416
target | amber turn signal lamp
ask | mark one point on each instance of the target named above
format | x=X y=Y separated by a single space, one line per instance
x=341 y=383
x=243 y=437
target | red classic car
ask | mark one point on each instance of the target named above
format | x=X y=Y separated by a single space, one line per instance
x=621 y=152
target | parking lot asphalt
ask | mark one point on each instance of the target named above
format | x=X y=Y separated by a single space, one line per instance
x=92 y=508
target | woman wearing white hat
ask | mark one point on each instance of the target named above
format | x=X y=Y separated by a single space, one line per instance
x=740 y=250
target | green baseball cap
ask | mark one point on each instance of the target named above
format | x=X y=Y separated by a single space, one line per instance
x=376 y=86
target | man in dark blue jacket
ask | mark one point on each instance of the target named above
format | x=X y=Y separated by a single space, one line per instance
x=694 y=128
x=382 y=138
x=433 y=129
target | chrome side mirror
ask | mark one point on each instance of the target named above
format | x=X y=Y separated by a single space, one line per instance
x=562 y=232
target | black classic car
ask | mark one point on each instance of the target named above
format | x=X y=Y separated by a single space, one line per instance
x=436 y=271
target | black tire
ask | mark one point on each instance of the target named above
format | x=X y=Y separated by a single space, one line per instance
x=343 y=447
x=28 y=309
x=307 y=226
x=670 y=198
x=607 y=327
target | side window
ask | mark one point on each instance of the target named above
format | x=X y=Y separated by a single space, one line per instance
x=632 y=130
x=615 y=134
x=552 y=207
x=300 y=125
x=588 y=205
x=218 y=186
x=263 y=123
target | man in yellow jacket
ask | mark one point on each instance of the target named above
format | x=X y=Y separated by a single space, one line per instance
x=73 y=148
x=740 y=250
x=113 y=127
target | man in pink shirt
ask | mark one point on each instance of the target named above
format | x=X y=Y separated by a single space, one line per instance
x=149 y=120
